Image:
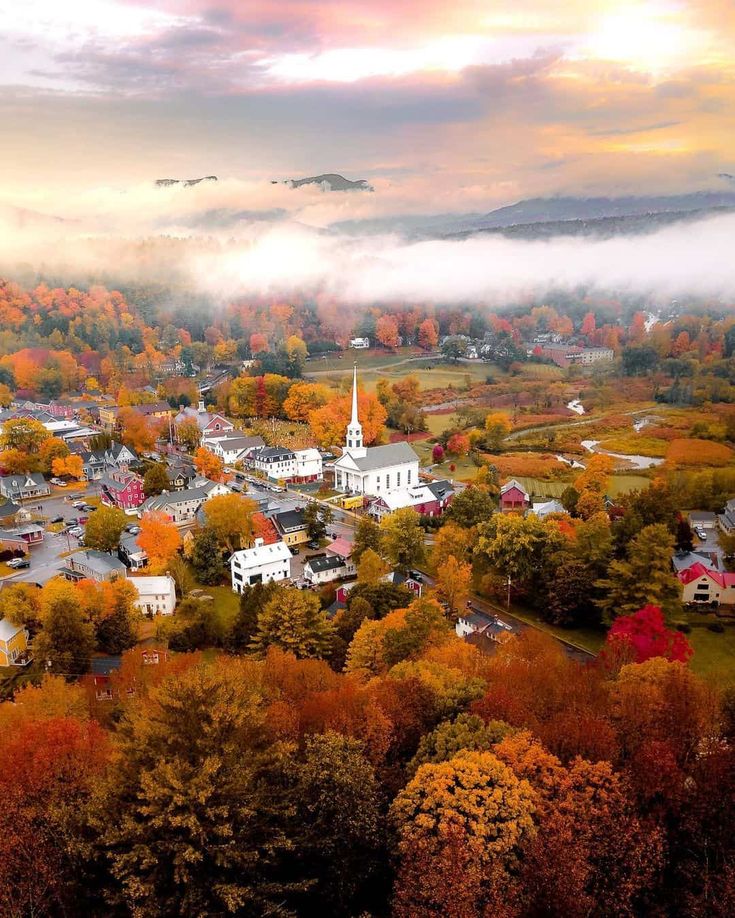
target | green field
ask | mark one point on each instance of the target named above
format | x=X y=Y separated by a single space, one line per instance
x=438 y=423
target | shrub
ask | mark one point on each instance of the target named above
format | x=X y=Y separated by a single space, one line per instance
x=684 y=627
x=717 y=627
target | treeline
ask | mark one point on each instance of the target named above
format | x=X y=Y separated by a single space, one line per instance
x=450 y=783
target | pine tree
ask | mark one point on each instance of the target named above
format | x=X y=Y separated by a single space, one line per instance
x=206 y=557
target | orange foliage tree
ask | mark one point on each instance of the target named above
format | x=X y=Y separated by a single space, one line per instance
x=159 y=538
x=208 y=464
x=329 y=424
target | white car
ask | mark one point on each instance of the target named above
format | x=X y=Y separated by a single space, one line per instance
x=700 y=532
x=78 y=504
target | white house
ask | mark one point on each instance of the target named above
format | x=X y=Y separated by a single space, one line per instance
x=282 y=464
x=233 y=449
x=260 y=564
x=375 y=470
x=359 y=343
x=323 y=568
x=156 y=595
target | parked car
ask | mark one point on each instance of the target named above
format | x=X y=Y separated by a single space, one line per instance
x=700 y=532
x=76 y=531
x=314 y=544
x=78 y=504
x=58 y=519
x=18 y=563
x=294 y=550
x=88 y=508
x=133 y=530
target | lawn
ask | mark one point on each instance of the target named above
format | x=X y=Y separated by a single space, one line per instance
x=619 y=484
x=438 y=423
x=226 y=604
x=714 y=654
x=364 y=359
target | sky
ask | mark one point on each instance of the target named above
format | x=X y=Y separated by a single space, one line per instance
x=443 y=106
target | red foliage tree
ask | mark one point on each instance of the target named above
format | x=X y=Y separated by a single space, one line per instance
x=644 y=635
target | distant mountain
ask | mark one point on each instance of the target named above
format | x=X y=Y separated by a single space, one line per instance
x=330 y=181
x=545 y=210
x=187 y=183
x=538 y=218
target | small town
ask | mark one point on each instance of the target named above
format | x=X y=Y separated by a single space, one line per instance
x=367 y=459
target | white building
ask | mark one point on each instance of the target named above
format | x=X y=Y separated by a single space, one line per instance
x=375 y=470
x=156 y=595
x=281 y=464
x=360 y=343
x=260 y=564
x=324 y=568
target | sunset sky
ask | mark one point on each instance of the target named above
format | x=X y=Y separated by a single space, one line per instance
x=443 y=106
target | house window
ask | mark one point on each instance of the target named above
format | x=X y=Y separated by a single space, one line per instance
x=398 y=479
x=387 y=481
x=408 y=476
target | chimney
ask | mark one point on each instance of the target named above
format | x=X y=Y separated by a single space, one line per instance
x=201 y=406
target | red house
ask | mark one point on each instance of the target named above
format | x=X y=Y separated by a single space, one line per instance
x=514 y=498
x=123 y=489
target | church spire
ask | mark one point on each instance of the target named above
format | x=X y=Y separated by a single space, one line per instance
x=355 y=421
x=354 y=429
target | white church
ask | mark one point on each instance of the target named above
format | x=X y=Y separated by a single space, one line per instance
x=375 y=470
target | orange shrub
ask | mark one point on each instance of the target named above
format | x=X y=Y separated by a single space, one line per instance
x=528 y=465
x=698 y=452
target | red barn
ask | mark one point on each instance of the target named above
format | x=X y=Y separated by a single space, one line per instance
x=514 y=497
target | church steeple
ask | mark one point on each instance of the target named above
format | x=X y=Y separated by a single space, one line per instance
x=354 y=429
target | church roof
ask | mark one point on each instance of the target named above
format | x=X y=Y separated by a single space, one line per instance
x=378 y=457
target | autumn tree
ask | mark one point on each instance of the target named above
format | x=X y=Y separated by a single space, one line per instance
x=66 y=641
x=138 y=432
x=450 y=540
x=206 y=557
x=230 y=518
x=386 y=331
x=50 y=449
x=517 y=546
x=339 y=815
x=20 y=603
x=24 y=434
x=303 y=398
x=367 y=535
x=155 y=479
x=371 y=568
x=188 y=434
x=207 y=464
x=104 y=528
x=453 y=581
x=428 y=334
x=402 y=539
x=193 y=815
x=329 y=424
x=464 y=733
x=458 y=444
x=48 y=769
x=69 y=467
x=475 y=794
x=469 y=507
x=644 y=635
x=497 y=428
x=159 y=538
x=294 y=622
x=253 y=600
x=643 y=578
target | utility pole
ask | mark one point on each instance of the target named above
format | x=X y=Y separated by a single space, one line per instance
x=507 y=604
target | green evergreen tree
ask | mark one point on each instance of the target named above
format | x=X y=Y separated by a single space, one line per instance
x=206 y=557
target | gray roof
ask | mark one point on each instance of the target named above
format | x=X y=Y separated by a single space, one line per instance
x=440 y=489
x=378 y=457
x=98 y=561
x=18 y=481
x=8 y=509
x=174 y=497
x=8 y=630
x=325 y=563
x=289 y=519
x=682 y=561
x=241 y=442
x=265 y=453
